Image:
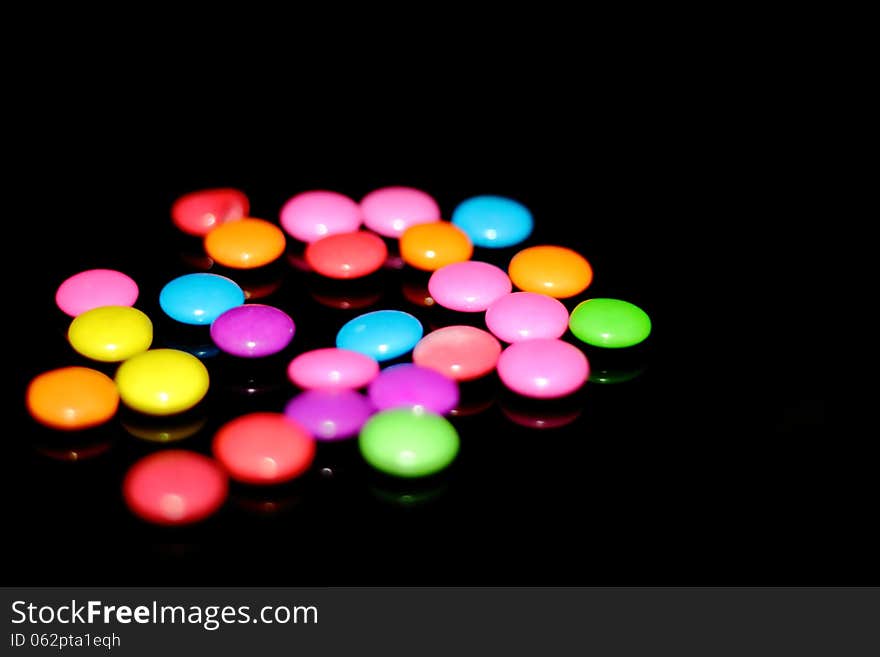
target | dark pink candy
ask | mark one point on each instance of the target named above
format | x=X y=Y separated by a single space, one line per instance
x=330 y=414
x=252 y=330
x=412 y=385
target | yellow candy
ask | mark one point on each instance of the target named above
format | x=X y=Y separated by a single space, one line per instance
x=162 y=381
x=111 y=333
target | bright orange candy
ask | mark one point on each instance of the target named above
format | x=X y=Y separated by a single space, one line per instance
x=72 y=398
x=434 y=245
x=552 y=270
x=245 y=244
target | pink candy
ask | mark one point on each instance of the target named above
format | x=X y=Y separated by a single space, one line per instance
x=526 y=316
x=391 y=210
x=469 y=286
x=332 y=369
x=95 y=288
x=544 y=368
x=309 y=216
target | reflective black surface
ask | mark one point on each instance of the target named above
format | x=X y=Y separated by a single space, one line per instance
x=695 y=459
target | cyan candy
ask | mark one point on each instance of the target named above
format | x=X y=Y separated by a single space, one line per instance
x=382 y=335
x=199 y=298
x=493 y=222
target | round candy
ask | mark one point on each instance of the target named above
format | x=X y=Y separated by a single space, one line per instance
x=162 y=381
x=407 y=442
x=252 y=330
x=332 y=369
x=382 y=334
x=330 y=414
x=610 y=323
x=199 y=298
x=391 y=210
x=543 y=368
x=468 y=286
x=552 y=270
x=309 y=216
x=95 y=288
x=264 y=448
x=415 y=387
x=459 y=352
x=347 y=255
x=245 y=244
x=175 y=487
x=197 y=213
x=72 y=398
x=494 y=222
x=526 y=316
x=111 y=333
x=434 y=245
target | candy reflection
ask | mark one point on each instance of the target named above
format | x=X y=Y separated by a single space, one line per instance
x=201 y=351
x=197 y=260
x=266 y=503
x=160 y=430
x=346 y=295
x=416 y=292
x=475 y=397
x=73 y=454
x=413 y=495
x=610 y=367
x=543 y=413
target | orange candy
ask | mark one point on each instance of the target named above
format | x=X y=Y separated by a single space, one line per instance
x=72 y=398
x=245 y=244
x=434 y=245
x=552 y=270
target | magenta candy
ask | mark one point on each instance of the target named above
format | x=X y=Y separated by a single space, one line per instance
x=526 y=316
x=543 y=368
x=391 y=210
x=252 y=330
x=412 y=385
x=309 y=216
x=330 y=414
x=468 y=286
x=332 y=369
x=94 y=288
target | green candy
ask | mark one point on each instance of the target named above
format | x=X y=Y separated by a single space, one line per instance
x=609 y=323
x=408 y=442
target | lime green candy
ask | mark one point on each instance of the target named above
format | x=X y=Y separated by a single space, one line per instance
x=610 y=323
x=408 y=442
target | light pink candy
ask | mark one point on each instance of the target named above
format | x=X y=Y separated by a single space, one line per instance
x=469 y=286
x=526 y=316
x=391 y=210
x=332 y=369
x=543 y=369
x=309 y=216
x=94 y=288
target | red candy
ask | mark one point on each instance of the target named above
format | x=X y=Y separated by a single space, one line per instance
x=264 y=448
x=175 y=487
x=347 y=255
x=198 y=212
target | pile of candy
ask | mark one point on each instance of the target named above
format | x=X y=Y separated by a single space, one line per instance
x=400 y=420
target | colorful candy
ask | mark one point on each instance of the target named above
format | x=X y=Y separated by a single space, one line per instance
x=310 y=216
x=468 y=286
x=434 y=245
x=458 y=352
x=264 y=448
x=493 y=222
x=245 y=244
x=543 y=368
x=175 y=487
x=552 y=270
x=413 y=386
x=610 y=323
x=162 y=381
x=199 y=298
x=332 y=369
x=72 y=398
x=330 y=414
x=526 y=316
x=382 y=334
x=110 y=333
x=391 y=210
x=95 y=288
x=406 y=442
x=197 y=213
x=347 y=255
x=253 y=330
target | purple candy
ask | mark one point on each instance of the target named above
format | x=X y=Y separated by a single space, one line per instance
x=330 y=414
x=252 y=330
x=412 y=385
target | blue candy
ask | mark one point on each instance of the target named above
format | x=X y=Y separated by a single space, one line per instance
x=382 y=335
x=199 y=298
x=493 y=221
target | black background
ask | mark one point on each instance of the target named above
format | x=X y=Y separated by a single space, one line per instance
x=714 y=466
